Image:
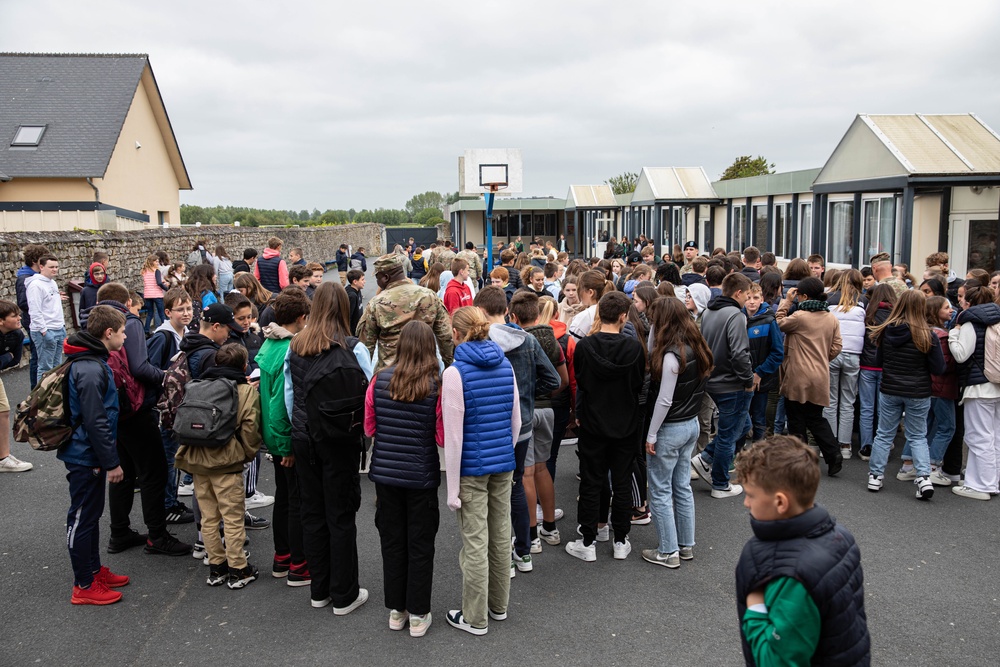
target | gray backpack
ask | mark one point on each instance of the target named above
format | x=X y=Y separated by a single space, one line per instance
x=207 y=415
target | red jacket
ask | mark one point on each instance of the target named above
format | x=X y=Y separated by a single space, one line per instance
x=945 y=386
x=456 y=295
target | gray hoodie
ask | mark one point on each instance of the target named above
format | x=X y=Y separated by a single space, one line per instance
x=533 y=371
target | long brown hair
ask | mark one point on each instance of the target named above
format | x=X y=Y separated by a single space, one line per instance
x=255 y=291
x=673 y=328
x=329 y=321
x=416 y=369
x=797 y=269
x=881 y=293
x=910 y=310
x=934 y=306
x=850 y=284
x=200 y=281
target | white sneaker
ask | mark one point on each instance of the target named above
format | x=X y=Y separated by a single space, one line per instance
x=550 y=538
x=701 y=468
x=584 y=553
x=361 y=599
x=966 y=492
x=536 y=546
x=875 y=482
x=13 y=464
x=938 y=478
x=604 y=533
x=845 y=451
x=906 y=474
x=925 y=490
x=397 y=619
x=513 y=570
x=258 y=500
x=732 y=491
x=538 y=514
x=419 y=625
x=622 y=549
x=185 y=489
x=523 y=563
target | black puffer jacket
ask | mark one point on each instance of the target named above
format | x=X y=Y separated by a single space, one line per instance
x=906 y=371
x=869 y=349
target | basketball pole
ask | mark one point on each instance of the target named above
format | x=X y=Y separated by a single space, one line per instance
x=488 y=196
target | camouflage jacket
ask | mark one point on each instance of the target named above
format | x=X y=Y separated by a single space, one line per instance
x=895 y=283
x=475 y=265
x=443 y=255
x=389 y=310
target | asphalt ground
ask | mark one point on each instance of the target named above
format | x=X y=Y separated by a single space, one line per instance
x=931 y=583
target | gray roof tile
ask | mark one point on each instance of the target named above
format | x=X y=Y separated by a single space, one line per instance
x=82 y=99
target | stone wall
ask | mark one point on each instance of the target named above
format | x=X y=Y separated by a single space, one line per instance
x=128 y=249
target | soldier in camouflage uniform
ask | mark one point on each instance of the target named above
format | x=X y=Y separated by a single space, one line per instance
x=882 y=271
x=475 y=264
x=399 y=302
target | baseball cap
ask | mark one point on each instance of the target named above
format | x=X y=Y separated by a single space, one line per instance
x=389 y=262
x=690 y=244
x=218 y=313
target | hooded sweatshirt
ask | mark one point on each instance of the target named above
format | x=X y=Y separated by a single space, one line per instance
x=533 y=371
x=610 y=370
x=21 y=290
x=93 y=400
x=724 y=327
x=275 y=425
x=88 y=296
x=44 y=303
x=200 y=351
x=163 y=345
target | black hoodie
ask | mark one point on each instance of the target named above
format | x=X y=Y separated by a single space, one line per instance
x=610 y=369
x=200 y=351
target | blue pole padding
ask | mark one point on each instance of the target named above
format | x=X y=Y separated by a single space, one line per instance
x=489 y=231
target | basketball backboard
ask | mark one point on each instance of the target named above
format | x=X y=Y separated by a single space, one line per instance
x=480 y=169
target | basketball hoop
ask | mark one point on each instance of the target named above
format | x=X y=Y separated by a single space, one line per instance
x=488 y=171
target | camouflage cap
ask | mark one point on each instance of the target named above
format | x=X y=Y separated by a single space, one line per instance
x=881 y=257
x=388 y=263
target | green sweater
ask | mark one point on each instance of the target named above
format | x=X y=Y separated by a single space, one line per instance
x=787 y=633
x=276 y=427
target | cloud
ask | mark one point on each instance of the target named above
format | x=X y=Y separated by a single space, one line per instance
x=301 y=105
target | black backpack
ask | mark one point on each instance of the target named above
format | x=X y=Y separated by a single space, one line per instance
x=206 y=417
x=335 y=388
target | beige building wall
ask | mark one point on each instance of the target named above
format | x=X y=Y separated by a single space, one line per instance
x=46 y=190
x=56 y=221
x=926 y=222
x=141 y=179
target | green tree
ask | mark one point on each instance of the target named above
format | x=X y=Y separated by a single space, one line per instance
x=745 y=166
x=623 y=183
x=423 y=201
x=425 y=215
x=434 y=222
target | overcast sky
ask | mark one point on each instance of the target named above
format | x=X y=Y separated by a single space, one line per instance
x=296 y=105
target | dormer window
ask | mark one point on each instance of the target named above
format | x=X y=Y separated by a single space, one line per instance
x=28 y=135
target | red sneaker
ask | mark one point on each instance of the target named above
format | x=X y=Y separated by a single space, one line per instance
x=110 y=579
x=98 y=593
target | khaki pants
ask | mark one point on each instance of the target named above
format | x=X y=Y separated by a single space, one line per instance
x=343 y=277
x=222 y=499
x=705 y=421
x=484 y=521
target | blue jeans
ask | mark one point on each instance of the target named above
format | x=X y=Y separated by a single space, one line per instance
x=154 y=310
x=226 y=283
x=671 y=502
x=891 y=409
x=170 y=449
x=940 y=428
x=49 y=348
x=32 y=363
x=780 y=418
x=869 y=384
x=733 y=408
x=758 y=415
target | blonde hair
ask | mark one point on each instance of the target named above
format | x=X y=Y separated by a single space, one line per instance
x=470 y=323
x=547 y=309
x=152 y=264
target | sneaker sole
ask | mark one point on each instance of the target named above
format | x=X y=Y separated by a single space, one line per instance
x=159 y=552
x=691 y=557
x=241 y=583
x=279 y=575
x=420 y=630
x=586 y=558
x=479 y=632
x=521 y=568
x=664 y=563
x=552 y=542
x=99 y=603
x=257 y=506
x=295 y=583
x=216 y=582
x=257 y=527
x=497 y=616
x=319 y=604
x=642 y=522
x=344 y=611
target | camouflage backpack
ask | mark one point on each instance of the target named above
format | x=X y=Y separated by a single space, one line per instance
x=175 y=379
x=43 y=419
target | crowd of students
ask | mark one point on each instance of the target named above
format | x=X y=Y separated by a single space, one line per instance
x=664 y=369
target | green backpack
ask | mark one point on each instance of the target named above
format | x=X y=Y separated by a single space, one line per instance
x=43 y=419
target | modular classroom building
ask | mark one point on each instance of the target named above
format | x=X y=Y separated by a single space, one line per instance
x=909 y=185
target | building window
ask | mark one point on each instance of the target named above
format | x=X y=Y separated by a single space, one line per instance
x=500 y=224
x=739 y=227
x=840 y=241
x=880 y=226
x=678 y=228
x=805 y=229
x=760 y=228
x=782 y=231
x=28 y=135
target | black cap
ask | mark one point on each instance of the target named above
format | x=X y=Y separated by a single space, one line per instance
x=691 y=244
x=218 y=313
x=633 y=257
